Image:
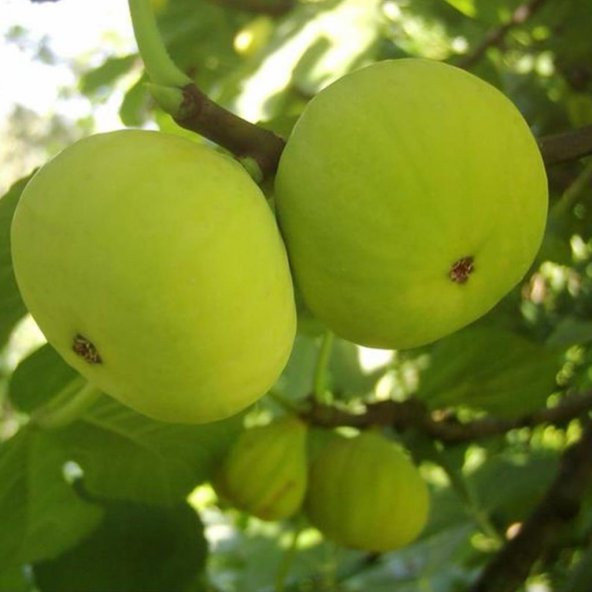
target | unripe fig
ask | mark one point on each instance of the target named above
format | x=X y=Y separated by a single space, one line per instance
x=412 y=197
x=366 y=494
x=265 y=473
x=155 y=268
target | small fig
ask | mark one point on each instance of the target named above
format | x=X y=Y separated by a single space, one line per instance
x=265 y=473
x=366 y=494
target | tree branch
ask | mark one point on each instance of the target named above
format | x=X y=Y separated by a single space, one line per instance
x=239 y=136
x=496 y=36
x=561 y=504
x=412 y=413
x=565 y=146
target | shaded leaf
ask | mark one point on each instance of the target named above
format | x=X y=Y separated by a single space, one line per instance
x=13 y=579
x=40 y=377
x=125 y=455
x=570 y=331
x=12 y=308
x=136 y=548
x=491 y=369
x=525 y=479
x=41 y=514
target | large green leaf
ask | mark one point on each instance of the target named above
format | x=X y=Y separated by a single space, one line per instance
x=13 y=579
x=137 y=548
x=12 y=307
x=126 y=455
x=41 y=514
x=491 y=369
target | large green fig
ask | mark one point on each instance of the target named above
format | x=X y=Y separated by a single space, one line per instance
x=412 y=197
x=155 y=268
x=265 y=473
x=366 y=494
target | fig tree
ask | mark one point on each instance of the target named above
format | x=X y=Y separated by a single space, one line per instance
x=265 y=473
x=365 y=493
x=412 y=197
x=154 y=266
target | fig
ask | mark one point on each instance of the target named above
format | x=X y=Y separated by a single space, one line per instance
x=154 y=266
x=265 y=472
x=365 y=493
x=412 y=197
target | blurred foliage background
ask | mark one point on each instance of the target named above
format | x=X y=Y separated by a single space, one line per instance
x=115 y=502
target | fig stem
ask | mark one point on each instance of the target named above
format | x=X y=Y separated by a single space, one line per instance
x=322 y=366
x=159 y=65
x=259 y=149
x=67 y=406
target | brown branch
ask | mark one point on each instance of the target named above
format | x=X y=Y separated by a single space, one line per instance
x=561 y=504
x=244 y=139
x=412 y=413
x=270 y=7
x=496 y=36
x=566 y=146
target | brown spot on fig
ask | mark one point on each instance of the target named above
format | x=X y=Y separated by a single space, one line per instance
x=86 y=349
x=461 y=270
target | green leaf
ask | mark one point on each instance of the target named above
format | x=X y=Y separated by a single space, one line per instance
x=39 y=378
x=525 y=479
x=13 y=579
x=41 y=514
x=581 y=575
x=491 y=369
x=467 y=7
x=570 y=330
x=125 y=455
x=136 y=548
x=107 y=73
x=12 y=308
x=429 y=564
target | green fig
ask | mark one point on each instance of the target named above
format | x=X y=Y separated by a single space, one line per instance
x=412 y=197
x=154 y=266
x=265 y=472
x=365 y=493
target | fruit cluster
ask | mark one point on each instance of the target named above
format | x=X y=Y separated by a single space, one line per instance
x=411 y=196
x=362 y=492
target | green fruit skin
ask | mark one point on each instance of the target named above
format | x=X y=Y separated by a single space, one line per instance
x=265 y=473
x=165 y=256
x=365 y=493
x=391 y=175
